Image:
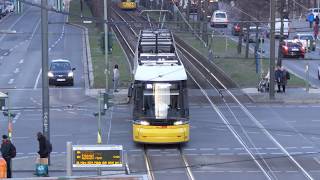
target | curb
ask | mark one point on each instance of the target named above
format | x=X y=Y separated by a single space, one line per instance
x=87 y=60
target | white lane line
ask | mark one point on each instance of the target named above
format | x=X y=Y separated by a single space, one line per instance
x=16 y=71
x=37 y=80
x=10 y=81
x=190 y=149
x=21 y=61
x=11 y=49
x=316 y=120
x=223 y=149
x=206 y=149
x=49 y=49
x=35 y=29
x=272 y=148
x=306 y=147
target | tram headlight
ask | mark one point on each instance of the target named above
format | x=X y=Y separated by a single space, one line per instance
x=179 y=123
x=145 y=123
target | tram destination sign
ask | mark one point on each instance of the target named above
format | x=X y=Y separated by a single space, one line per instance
x=97 y=156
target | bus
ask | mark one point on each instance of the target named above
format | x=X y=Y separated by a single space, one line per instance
x=159 y=91
x=127 y=4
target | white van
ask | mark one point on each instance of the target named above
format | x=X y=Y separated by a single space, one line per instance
x=219 y=18
x=278 y=28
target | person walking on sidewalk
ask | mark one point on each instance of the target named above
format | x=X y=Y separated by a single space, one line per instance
x=8 y=151
x=278 y=77
x=310 y=19
x=316 y=20
x=316 y=31
x=43 y=150
x=116 y=78
x=285 y=78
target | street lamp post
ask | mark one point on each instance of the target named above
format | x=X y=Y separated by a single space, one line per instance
x=106 y=45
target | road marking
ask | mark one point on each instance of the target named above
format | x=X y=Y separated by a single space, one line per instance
x=11 y=49
x=35 y=29
x=1 y=57
x=21 y=61
x=16 y=117
x=16 y=71
x=37 y=80
x=10 y=81
x=206 y=149
x=272 y=148
x=307 y=147
x=317 y=160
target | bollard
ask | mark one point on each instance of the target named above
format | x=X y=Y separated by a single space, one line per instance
x=69 y=159
x=3 y=168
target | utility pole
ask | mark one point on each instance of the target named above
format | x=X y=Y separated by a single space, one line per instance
x=272 y=50
x=106 y=45
x=247 y=39
x=279 y=61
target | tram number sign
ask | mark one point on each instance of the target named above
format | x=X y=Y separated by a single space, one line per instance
x=97 y=155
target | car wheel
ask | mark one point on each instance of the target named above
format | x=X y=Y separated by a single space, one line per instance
x=318 y=75
x=314 y=48
x=71 y=83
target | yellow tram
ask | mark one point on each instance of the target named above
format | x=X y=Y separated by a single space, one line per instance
x=159 y=92
x=127 y=4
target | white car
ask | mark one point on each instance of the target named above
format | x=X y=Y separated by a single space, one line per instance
x=9 y=7
x=307 y=40
x=278 y=28
x=219 y=18
x=314 y=11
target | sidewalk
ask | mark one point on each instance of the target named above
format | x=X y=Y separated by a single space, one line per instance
x=24 y=167
x=292 y=95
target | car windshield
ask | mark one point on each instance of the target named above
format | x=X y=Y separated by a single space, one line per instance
x=60 y=66
x=220 y=15
x=306 y=37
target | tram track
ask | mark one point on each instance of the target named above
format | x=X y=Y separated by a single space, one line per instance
x=209 y=80
x=154 y=171
x=230 y=115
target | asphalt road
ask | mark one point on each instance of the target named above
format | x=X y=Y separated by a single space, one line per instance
x=20 y=67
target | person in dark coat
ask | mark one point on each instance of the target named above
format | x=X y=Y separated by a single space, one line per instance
x=316 y=20
x=42 y=145
x=6 y=153
x=279 y=78
x=284 y=78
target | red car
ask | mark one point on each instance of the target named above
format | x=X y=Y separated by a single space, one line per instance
x=292 y=49
x=236 y=29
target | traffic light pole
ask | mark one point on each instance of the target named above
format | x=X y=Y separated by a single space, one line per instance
x=45 y=57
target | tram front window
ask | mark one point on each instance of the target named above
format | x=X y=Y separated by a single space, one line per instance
x=162 y=101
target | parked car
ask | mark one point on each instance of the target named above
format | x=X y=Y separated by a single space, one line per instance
x=219 y=18
x=307 y=41
x=319 y=72
x=290 y=48
x=9 y=7
x=252 y=34
x=278 y=28
x=236 y=29
x=2 y=11
x=61 y=73
x=314 y=11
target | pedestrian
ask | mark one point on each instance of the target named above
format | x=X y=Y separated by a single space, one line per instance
x=310 y=19
x=285 y=78
x=278 y=78
x=316 y=31
x=8 y=151
x=317 y=20
x=116 y=78
x=43 y=150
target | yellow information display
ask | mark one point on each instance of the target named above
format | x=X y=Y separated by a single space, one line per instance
x=97 y=156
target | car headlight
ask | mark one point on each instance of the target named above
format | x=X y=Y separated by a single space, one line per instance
x=70 y=74
x=50 y=74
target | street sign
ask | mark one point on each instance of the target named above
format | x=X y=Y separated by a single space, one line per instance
x=97 y=156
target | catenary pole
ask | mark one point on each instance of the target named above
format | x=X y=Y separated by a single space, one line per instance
x=106 y=48
x=272 y=49
x=45 y=57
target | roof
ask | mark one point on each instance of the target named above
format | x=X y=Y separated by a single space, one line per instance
x=156 y=57
x=60 y=60
x=219 y=11
x=160 y=73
